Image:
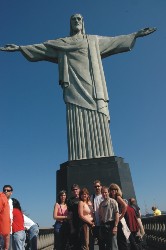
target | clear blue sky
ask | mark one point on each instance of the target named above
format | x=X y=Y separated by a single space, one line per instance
x=32 y=112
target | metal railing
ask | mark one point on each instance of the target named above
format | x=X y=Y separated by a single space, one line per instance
x=155 y=229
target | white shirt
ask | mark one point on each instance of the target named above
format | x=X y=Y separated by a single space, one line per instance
x=96 y=202
x=11 y=213
x=28 y=222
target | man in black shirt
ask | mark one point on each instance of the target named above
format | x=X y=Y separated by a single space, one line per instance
x=73 y=210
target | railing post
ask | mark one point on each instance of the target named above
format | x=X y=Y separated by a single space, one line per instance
x=46 y=239
x=155 y=229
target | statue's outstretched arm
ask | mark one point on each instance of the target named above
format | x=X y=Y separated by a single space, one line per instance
x=145 y=32
x=10 y=48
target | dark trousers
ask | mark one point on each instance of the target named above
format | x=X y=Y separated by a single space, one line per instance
x=96 y=234
x=61 y=234
x=74 y=240
x=121 y=239
x=108 y=239
x=134 y=245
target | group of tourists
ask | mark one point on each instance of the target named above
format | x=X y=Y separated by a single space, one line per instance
x=103 y=218
x=17 y=231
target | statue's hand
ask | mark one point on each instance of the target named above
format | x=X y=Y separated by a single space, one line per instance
x=10 y=48
x=145 y=32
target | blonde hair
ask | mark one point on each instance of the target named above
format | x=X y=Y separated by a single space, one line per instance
x=116 y=187
x=84 y=191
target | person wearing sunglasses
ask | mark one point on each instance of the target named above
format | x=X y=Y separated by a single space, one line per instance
x=96 y=199
x=8 y=190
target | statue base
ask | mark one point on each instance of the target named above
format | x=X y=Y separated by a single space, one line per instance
x=84 y=172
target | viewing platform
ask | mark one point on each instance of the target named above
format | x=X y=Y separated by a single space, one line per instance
x=155 y=229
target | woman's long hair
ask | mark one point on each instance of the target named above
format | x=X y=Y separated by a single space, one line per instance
x=116 y=187
x=84 y=191
x=59 y=196
x=16 y=204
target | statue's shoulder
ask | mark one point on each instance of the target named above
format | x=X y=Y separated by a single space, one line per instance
x=69 y=38
x=58 y=40
x=93 y=37
x=65 y=41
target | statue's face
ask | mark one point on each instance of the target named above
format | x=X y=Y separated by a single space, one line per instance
x=76 y=23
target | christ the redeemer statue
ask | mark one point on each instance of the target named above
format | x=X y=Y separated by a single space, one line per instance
x=81 y=77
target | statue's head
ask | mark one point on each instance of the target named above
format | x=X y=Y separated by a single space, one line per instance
x=76 y=24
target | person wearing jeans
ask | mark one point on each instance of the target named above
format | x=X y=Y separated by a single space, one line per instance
x=32 y=232
x=18 y=235
x=19 y=240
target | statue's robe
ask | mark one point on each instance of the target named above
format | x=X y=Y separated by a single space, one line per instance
x=82 y=78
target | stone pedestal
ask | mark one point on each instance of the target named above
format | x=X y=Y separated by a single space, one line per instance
x=106 y=169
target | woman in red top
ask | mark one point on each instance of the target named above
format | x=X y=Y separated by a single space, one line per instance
x=132 y=223
x=18 y=227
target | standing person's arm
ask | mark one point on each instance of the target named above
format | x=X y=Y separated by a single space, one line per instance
x=115 y=229
x=139 y=213
x=123 y=206
x=1 y=204
x=6 y=241
x=55 y=214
